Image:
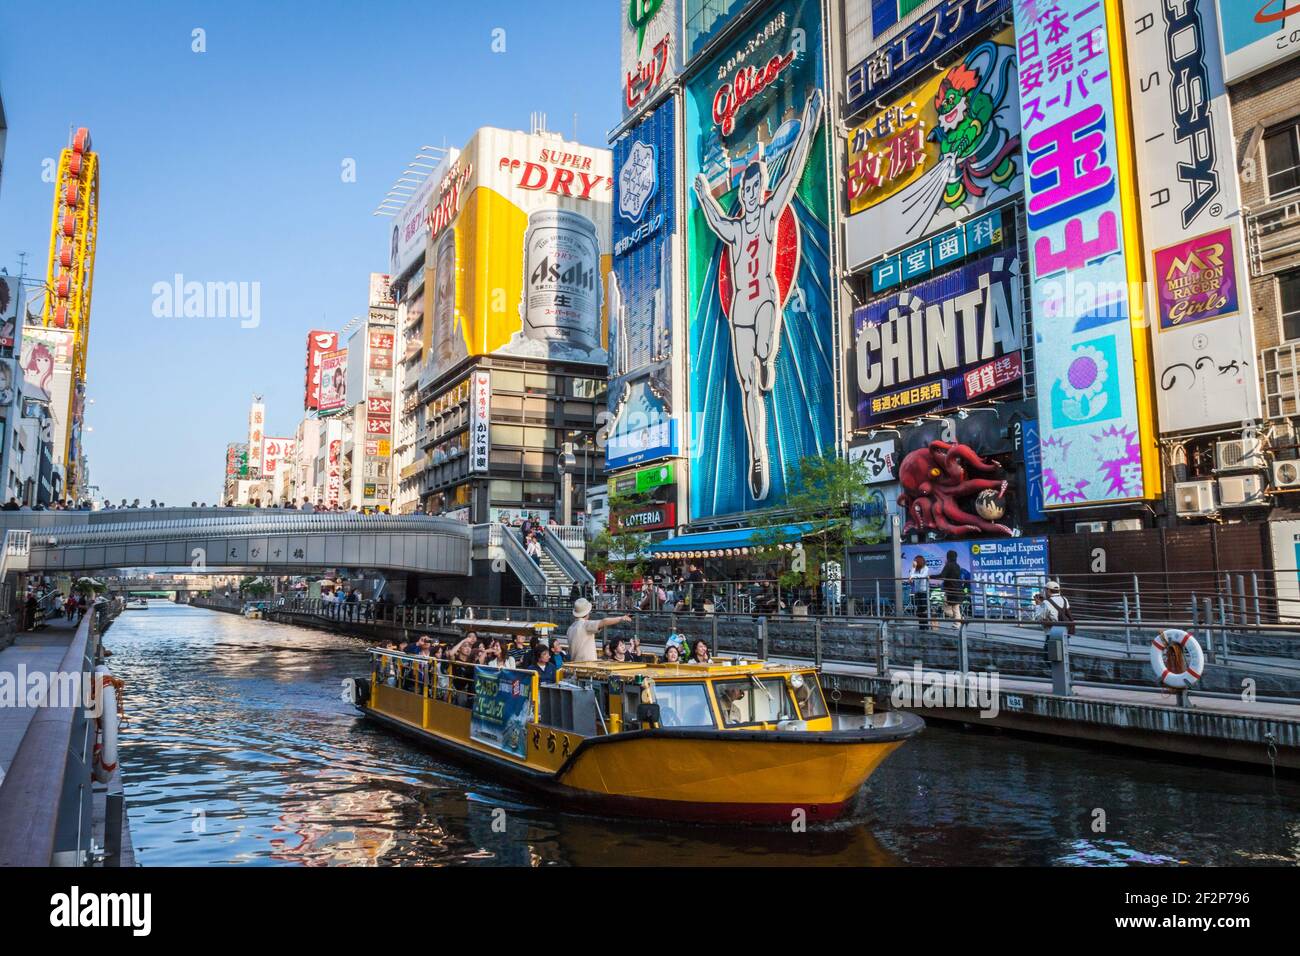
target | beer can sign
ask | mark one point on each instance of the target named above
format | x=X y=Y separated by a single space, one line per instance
x=561 y=300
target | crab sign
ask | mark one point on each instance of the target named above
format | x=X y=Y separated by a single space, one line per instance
x=936 y=478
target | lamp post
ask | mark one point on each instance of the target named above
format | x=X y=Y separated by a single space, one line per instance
x=566 y=464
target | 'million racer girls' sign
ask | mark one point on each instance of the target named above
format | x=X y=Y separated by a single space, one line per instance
x=941 y=342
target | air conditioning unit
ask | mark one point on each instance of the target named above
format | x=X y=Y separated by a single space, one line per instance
x=1238 y=455
x=1241 y=491
x=1196 y=497
x=1126 y=524
x=1286 y=474
x=1097 y=527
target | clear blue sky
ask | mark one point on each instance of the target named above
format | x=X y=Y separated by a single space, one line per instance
x=226 y=166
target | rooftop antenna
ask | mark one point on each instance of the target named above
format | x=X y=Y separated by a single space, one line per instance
x=575 y=126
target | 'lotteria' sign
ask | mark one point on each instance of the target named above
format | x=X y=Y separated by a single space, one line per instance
x=654 y=517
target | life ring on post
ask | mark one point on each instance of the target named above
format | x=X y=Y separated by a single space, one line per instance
x=1176 y=659
x=105 y=758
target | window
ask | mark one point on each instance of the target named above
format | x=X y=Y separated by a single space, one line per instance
x=753 y=701
x=1282 y=159
x=507 y=435
x=683 y=705
x=1288 y=296
x=808 y=694
x=507 y=381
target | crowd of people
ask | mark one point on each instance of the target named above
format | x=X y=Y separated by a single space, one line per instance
x=13 y=504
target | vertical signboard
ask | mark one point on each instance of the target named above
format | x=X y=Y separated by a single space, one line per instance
x=318 y=343
x=256 y=434
x=946 y=151
x=1257 y=34
x=1198 y=302
x=480 y=419
x=762 y=383
x=651 y=37
x=1091 y=352
x=276 y=453
x=643 y=425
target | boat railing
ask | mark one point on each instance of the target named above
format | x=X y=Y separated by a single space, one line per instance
x=452 y=682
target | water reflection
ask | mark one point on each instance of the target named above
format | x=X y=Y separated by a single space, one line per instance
x=240 y=749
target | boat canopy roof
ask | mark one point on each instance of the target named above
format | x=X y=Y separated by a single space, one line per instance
x=502 y=627
x=667 y=673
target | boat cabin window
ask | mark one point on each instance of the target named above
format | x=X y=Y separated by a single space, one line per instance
x=808 y=694
x=753 y=700
x=683 y=705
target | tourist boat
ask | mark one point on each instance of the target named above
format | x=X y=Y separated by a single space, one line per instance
x=641 y=739
x=137 y=604
x=256 y=610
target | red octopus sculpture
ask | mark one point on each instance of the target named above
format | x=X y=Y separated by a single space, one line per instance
x=934 y=479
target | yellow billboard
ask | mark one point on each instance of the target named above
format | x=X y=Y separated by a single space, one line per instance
x=519 y=252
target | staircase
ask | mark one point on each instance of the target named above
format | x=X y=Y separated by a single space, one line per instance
x=557 y=582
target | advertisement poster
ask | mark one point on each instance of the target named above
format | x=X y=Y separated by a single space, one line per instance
x=8 y=311
x=945 y=152
x=761 y=325
x=1202 y=336
x=334 y=380
x=651 y=55
x=905 y=53
x=502 y=709
x=1006 y=570
x=318 y=343
x=411 y=225
x=520 y=252
x=641 y=401
x=1092 y=366
x=1257 y=34
x=880 y=457
x=940 y=343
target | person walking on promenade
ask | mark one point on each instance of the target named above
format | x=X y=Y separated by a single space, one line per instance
x=919 y=576
x=954 y=588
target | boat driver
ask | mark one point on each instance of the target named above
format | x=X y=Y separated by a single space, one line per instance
x=729 y=698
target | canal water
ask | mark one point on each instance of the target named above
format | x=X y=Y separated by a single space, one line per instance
x=240 y=749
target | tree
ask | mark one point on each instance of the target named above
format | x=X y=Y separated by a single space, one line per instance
x=618 y=550
x=254 y=586
x=818 y=515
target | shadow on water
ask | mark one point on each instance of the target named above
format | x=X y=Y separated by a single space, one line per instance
x=240 y=749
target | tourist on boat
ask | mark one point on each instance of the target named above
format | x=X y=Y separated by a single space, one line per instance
x=618 y=649
x=700 y=653
x=582 y=632
x=545 y=665
x=672 y=654
x=557 y=652
x=495 y=656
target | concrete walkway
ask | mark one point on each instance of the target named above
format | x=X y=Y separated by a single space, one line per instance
x=32 y=652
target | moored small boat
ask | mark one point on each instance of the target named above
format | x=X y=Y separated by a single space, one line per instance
x=747 y=740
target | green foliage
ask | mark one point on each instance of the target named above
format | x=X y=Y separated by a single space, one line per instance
x=88 y=587
x=254 y=587
x=820 y=501
x=620 y=552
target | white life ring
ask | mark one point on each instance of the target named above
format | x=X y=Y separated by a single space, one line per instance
x=1195 y=659
x=105 y=761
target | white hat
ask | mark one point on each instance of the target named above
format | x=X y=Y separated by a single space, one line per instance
x=1053 y=585
x=581 y=607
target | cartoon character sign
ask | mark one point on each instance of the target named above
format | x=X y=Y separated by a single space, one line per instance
x=761 y=318
x=935 y=480
x=937 y=156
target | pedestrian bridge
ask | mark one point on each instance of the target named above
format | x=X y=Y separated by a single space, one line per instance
x=224 y=540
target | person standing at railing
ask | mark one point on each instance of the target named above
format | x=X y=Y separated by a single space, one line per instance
x=919 y=577
x=954 y=588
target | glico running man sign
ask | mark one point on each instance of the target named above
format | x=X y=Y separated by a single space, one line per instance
x=761 y=385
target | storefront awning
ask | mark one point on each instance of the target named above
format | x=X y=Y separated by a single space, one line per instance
x=709 y=541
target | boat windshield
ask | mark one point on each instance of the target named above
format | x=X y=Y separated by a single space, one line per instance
x=683 y=705
x=753 y=700
x=808 y=694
